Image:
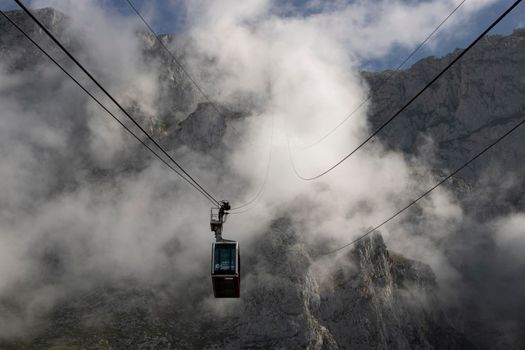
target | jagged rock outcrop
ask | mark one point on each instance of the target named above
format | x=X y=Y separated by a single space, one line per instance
x=386 y=301
x=476 y=101
x=16 y=52
x=203 y=130
x=378 y=300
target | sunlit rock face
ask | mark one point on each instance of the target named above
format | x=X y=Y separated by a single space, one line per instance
x=375 y=300
x=477 y=99
x=386 y=301
x=371 y=298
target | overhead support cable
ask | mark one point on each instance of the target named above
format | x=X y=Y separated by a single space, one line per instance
x=189 y=178
x=257 y=195
x=213 y=104
x=427 y=192
x=177 y=61
x=181 y=66
x=383 y=81
x=439 y=75
x=100 y=103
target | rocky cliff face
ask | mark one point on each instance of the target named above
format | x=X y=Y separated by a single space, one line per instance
x=478 y=100
x=480 y=97
x=387 y=302
x=371 y=299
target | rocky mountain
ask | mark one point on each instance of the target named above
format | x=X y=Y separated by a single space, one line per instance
x=479 y=98
x=373 y=298
x=378 y=300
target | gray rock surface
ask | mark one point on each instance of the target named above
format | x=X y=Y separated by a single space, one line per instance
x=379 y=300
x=477 y=100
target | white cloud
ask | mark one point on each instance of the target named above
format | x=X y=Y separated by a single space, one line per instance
x=511 y=236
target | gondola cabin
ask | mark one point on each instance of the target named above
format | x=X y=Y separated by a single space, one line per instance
x=226 y=269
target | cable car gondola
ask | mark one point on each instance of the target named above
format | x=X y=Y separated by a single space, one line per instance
x=225 y=258
x=226 y=269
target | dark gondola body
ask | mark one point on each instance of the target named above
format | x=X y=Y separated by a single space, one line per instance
x=226 y=269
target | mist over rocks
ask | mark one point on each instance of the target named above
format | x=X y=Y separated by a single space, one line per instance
x=204 y=129
x=377 y=299
x=387 y=301
x=479 y=99
x=138 y=283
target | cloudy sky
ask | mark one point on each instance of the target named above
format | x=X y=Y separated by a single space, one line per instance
x=168 y=16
